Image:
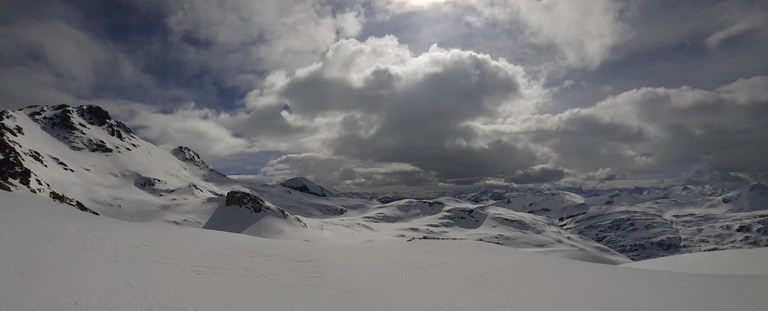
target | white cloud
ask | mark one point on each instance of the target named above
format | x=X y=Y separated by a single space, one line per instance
x=734 y=31
x=664 y=132
x=746 y=91
x=344 y=173
x=374 y=101
x=200 y=129
x=435 y=128
x=371 y=111
x=49 y=62
x=240 y=37
x=583 y=31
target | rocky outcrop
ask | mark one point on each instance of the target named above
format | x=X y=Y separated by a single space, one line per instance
x=245 y=211
x=11 y=161
x=635 y=234
x=189 y=156
x=69 y=125
x=305 y=185
x=247 y=201
x=58 y=197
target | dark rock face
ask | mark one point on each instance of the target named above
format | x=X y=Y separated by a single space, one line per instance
x=62 y=122
x=68 y=125
x=11 y=163
x=147 y=182
x=464 y=217
x=751 y=198
x=724 y=231
x=254 y=204
x=245 y=200
x=97 y=116
x=187 y=155
x=635 y=234
x=58 y=197
x=304 y=185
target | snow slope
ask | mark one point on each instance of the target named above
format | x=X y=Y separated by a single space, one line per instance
x=440 y=219
x=735 y=262
x=80 y=154
x=57 y=258
x=644 y=223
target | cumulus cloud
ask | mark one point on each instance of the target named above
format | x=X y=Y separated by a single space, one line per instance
x=375 y=101
x=241 y=38
x=664 y=133
x=51 y=62
x=345 y=173
x=453 y=116
x=583 y=32
x=662 y=24
x=414 y=92
x=537 y=175
x=163 y=52
x=734 y=31
x=376 y=130
x=198 y=128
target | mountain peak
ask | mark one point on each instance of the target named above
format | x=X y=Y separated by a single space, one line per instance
x=80 y=127
x=749 y=198
x=305 y=185
x=187 y=155
x=65 y=153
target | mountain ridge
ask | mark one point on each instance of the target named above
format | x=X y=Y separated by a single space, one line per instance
x=82 y=157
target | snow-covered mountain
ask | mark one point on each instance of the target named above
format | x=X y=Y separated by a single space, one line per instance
x=82 y=157
x=56 y=258
x=488 y=249
x=650 y=223
x=307 y=186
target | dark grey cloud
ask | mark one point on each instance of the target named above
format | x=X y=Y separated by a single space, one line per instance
x=418 y=110
x=642 y=134
x=346 y=173
x=701 y=44
x=52 y=60
x=538 y=175
x=165 y=53
x=654 y=130
x=378 y=93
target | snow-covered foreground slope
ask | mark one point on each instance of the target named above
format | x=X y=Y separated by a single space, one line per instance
x=348 y=220
x=735 y=262
x=82 y=157
x=57 y=258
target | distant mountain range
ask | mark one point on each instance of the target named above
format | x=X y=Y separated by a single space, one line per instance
x=82 y=157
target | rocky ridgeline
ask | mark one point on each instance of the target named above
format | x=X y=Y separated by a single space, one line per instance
x=82 y=157
x=72 y=125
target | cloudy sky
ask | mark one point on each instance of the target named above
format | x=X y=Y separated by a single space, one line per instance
x=369 y=94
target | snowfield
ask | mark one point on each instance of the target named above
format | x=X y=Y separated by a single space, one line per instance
x=300 y=246
x=57 y=258
x=82 y=157
x=735 y=262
